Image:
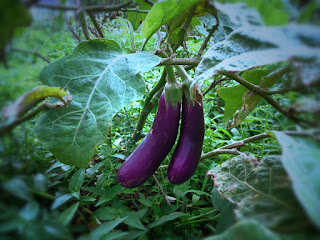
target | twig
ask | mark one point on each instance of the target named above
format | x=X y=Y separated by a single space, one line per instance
x=204 y=44
x=241 y=143
x=213 y=85
x=163 y=193
x=135 y=10
x=35 y=53
x=263 y=93
x=179 y=61
x=96 y=24
x=73 y=32
x=95 y=8
x=82 y=17
x=147 y=106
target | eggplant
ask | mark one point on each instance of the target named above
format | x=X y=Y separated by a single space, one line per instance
x=186 y=156
x=153 y=149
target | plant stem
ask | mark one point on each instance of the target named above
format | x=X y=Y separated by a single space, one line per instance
x=226 y=149
x=263 y=93
x=147 y=106
x=96 y=24
x=171 y=77
x=35 y=53
x=179 y=61
x=205 y=43
x=159 y=185
x=83 y=22
x=213 y=85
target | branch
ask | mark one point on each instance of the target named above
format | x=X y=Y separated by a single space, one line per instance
x=35 y=53
x=179 y=61
x=263 y=93
x=226 y=149
x=96 y=8
x=149 y=2
x=204 y=44
x=96 y=24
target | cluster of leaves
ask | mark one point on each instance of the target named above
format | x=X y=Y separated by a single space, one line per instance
x=273 y=198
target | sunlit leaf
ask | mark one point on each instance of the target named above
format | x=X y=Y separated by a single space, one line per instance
x=162 y=12
x=102 y=80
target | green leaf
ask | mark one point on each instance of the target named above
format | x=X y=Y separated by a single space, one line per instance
x=302 y=162
x=249 y=47
x=67 y=215
x=162 y=12
x=17 y=187
x=104 y=229
x=102 y=80
x=132 y=220
x=246 y=230
x=136 y=18
x=76 y=180
x=166 y=218
x=61 y=200
x=262 y=191
x=105 y=213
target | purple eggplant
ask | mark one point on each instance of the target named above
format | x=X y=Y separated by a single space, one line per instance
x=186 y=156
x=153 y=149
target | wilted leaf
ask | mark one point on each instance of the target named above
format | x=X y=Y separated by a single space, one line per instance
x=30 y=99
x=162 y=12
x=262 y=191
x=249 y=47
x=302 y=162
x=102 y=80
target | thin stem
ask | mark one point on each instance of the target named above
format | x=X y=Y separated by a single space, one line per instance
x=96 y=24
x=205 y=43
x=147 y=106
x=241 y=143
x=73 y=32
x=35 y=53
x=262 y=93
x=161 y=190
x=213 y=85
x=149 y=2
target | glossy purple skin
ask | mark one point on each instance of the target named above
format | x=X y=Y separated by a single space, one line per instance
x=186 y=156
x=153 y=149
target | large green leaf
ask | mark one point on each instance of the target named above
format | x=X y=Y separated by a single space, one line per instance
x=136 y=18
x=262 y=191
x=162 y=12
x=101 y=80
x=249 y=47
x=246 y=230
x=302 y=162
